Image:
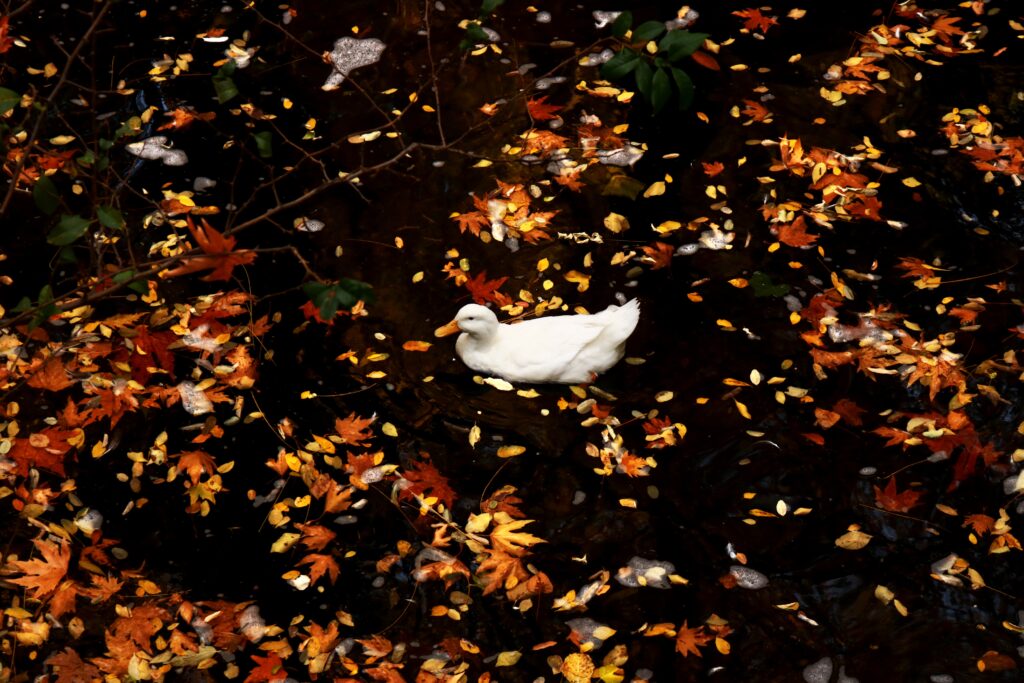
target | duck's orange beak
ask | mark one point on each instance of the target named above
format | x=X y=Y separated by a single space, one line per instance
x=445 y=330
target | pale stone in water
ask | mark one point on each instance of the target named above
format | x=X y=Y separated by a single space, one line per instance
x=348 y=55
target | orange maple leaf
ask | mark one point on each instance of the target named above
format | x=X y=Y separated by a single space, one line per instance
x=690 y=640
x=41 y=577
x=269 y=669
x=795 y=234
x=315 y=537
x=981 y=524
x=195 y=463
x=473 y=221
x=319 y=565
x=354 y=430
x=498 y=568
x=71 y=668
x=659 y=255
x=757 y=112
x=221 y=257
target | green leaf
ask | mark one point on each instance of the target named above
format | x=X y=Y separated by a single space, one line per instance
x=110 y=218
x=649 y=30
x=623 y=186
x=87 y=159
x=45 y=194
x=69 y=229
x=489 y=6
x=125 y=276
x=685 y=87
x=264 y=144
x=45 y=305
x=621 y=64
x=763 y=286
x=475 y=35
x=661 y=89
x=680 y=44
x=643 y=75
x=357 y=288
x=8 y=100
x=222 y=83
x=622 y=24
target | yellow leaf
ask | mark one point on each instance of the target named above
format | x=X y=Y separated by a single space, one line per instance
x=616 y=222
x=853 y=540
x=508 y=658
x=510 y=451
x=61 y=139
x=285 y=542
x=911 y=182
x=656 y=188
x=389 y=429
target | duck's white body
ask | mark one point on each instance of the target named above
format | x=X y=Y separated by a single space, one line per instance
x=567 y=349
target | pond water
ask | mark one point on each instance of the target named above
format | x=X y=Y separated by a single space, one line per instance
x=757 y=482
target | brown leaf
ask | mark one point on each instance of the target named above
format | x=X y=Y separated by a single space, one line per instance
x=354 y=430
x=319 y=565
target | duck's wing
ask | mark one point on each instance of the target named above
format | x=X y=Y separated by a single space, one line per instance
x=548 y=346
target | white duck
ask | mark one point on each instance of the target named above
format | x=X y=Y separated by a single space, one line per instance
x=566 y=349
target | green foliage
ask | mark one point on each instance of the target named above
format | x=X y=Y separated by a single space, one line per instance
x=44 y=305
x=223 y=83
x=68 y=229
x=8 y=100
x=329 y=298
x=45 y=195
x=763 y=286
x=264 y=144
x=475 y=35
x=110 y=217
x=655 y=76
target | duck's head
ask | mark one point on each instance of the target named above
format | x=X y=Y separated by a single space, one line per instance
x=473 y=319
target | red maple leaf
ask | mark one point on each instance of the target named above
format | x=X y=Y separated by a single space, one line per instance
x=755 y=21
x=6 y=42
x=712 y=169
x=483 y=290
x=269 y=669
x=539 y=111
x=892 y=500
x=425 y=479
x=795 y=234
x=44 y=450
x=849 y=411
x=221 y=257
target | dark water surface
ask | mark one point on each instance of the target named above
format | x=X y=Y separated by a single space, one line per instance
x=697 y=502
